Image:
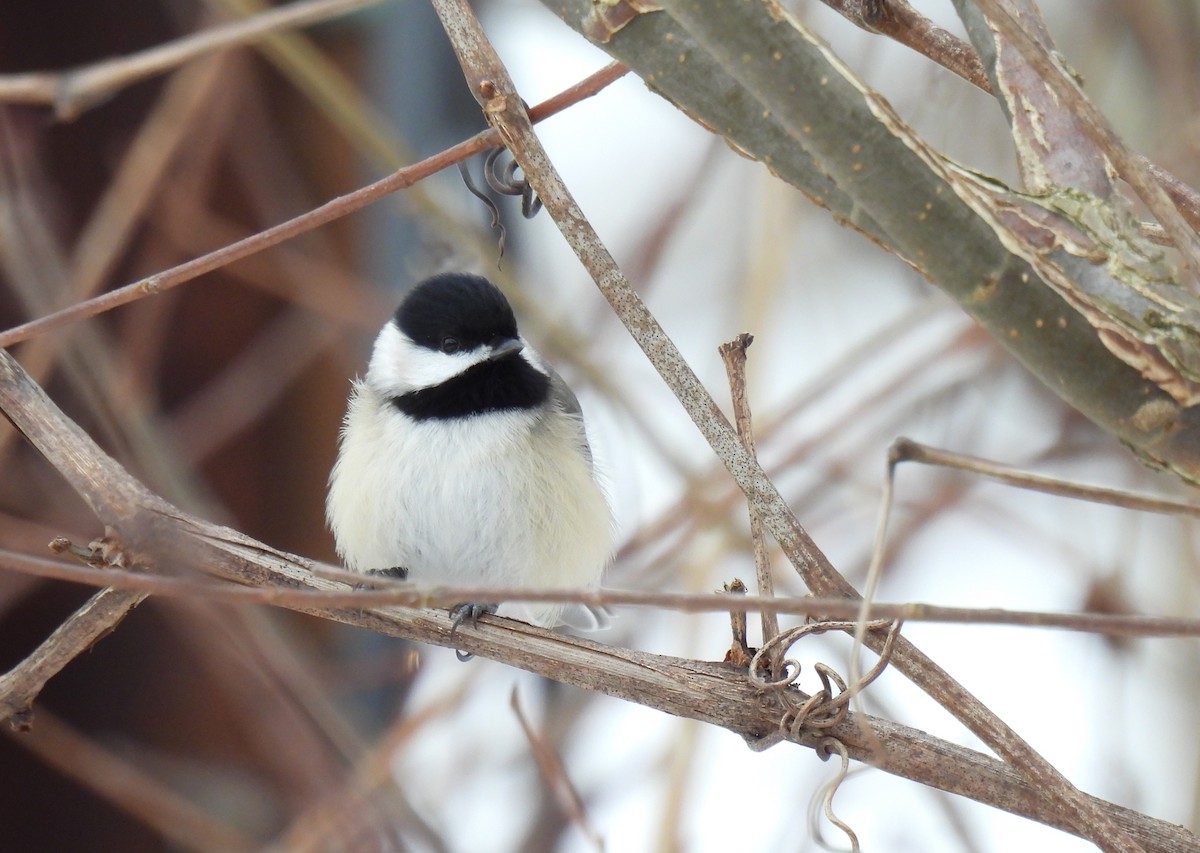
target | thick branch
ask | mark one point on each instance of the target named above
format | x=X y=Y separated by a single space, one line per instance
x=774 y=90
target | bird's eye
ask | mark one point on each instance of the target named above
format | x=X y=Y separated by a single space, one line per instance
x=450 y=345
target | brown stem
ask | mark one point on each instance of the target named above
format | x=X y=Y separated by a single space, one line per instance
x=733 y=353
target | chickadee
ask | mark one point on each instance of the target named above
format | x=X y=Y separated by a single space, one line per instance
x=463 y=458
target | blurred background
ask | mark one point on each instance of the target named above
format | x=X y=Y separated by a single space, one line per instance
x=251 y=727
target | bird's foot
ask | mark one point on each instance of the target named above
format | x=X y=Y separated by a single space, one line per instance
x=470 y=614
x=398 y=573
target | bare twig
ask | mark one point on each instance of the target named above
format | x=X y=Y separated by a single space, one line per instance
x=73 y=91
x=360 y=198
x=20 y=686
x=907 y=450
x=825 y=795
x=503 y=107
x=45 y=278
x=899 y=21
x=554 y=775
x=733 y=353
x=420 y=596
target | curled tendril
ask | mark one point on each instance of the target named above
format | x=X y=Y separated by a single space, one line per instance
x=826 y=793
x=827 y=707
x=472 y=188
x=821 y=712
x=504 y=180
x=832 y=709
x=760 y=674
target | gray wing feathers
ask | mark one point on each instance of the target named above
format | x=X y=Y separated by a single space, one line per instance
x=562 y=396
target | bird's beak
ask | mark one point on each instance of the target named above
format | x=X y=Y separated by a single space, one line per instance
x=511 y=346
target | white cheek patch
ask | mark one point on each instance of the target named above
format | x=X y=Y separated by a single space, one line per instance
x=399 y=366
x=535 y=360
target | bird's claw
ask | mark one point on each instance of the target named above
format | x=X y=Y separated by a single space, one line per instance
x=398 y=573
x=470 y=614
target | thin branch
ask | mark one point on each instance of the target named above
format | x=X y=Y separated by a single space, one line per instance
x=554 y=775
x=900 y=22
x=21 y=685
x=907 y=450
x=73 y=91
x=335 y=209
x=443 y=597
x=733 y=353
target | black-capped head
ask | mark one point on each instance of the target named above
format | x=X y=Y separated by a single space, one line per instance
x=456 y=312
x=452 y=351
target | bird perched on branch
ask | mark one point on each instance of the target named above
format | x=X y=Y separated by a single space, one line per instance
x=463 y=459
